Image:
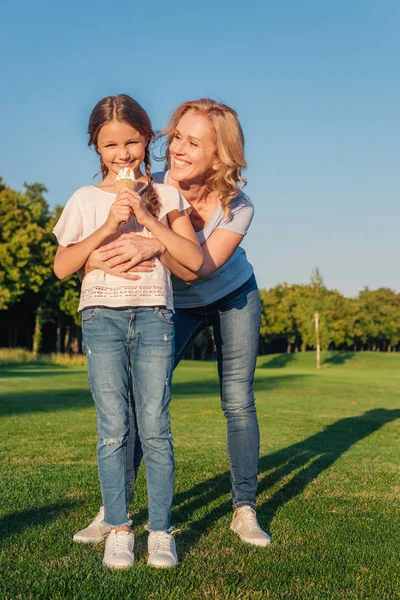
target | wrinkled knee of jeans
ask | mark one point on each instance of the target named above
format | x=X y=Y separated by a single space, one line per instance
x=156 y=438
x=232 y=409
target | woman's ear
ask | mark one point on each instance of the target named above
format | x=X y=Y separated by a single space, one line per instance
x=216 y=164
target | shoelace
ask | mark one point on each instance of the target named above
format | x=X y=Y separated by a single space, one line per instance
x=119 y=542
x=250 y=519
x=161 y=541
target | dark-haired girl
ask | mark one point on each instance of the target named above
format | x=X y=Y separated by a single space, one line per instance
x=127 y=325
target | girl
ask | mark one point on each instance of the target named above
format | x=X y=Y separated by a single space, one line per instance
x=127 y=325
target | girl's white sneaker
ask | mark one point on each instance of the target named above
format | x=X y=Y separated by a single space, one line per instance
x=118 y=553
x=162 y=550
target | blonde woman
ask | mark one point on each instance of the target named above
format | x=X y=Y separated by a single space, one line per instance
x=205 y=157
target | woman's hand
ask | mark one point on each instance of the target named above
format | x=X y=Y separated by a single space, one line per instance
x=95 y=261
x=128 y=251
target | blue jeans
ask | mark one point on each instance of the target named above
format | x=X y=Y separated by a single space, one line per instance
x=236 y=323
x=130 y=355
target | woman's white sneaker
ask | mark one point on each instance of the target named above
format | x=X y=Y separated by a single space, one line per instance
x=94 y=533
x=118 y=553
x=162 y=550
x=245 y=524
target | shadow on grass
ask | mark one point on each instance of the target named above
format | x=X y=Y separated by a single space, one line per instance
x=16 y=522
x=46 y=401
x=278 y=362
x=339 y=358
x=305 y=461
x=36 y=370
x=210 y=388
x=67 y=398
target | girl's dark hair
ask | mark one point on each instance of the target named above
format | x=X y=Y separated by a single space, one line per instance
x=125 y=108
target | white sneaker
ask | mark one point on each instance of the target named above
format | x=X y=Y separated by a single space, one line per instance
x=162 y=550
x=94 y=533
x=245 y=524
x=118 y=553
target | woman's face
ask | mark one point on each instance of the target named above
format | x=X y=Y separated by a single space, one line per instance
x=121 y=145
x=193 y=149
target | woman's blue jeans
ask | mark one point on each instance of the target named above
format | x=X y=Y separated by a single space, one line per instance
x=236 y=323
x=130 y=355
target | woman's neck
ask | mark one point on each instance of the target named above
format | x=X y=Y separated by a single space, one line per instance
x=195 y=193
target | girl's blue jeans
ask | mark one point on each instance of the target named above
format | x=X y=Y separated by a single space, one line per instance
x=236 y=323
x=130 y=356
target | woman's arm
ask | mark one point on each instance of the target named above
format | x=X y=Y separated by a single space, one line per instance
x=179 y=239
x=129 y=249
x=217 y=250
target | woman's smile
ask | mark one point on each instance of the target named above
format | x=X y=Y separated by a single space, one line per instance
x=181 y=163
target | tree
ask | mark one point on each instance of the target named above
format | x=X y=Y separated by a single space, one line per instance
x=29 y=290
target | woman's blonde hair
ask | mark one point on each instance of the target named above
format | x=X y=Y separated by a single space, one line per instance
x=227 y=180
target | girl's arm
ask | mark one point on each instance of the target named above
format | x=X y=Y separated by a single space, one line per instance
x=179 y=239
x=217 y=250
x=70 y=259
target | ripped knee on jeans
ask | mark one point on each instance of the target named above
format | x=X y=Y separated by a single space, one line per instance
x=113 y=441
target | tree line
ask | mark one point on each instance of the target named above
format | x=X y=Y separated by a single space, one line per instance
x=39 y=312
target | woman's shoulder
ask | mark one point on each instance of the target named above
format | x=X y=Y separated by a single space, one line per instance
x=241 y=208
x=241 y=201
x=241 y=212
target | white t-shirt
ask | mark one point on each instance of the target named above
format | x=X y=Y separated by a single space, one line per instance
x=85 y=212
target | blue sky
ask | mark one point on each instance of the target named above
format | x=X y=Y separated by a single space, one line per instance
x=316 y=85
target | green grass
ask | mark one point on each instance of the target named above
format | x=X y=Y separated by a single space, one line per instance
x=328 y=493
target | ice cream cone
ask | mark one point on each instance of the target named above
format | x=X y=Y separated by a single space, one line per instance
x=125 y=178
x=124 y=183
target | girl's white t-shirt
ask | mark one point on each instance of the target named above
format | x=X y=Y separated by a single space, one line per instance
x=85 y=212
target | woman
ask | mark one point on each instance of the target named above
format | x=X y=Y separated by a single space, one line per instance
x=205 y=156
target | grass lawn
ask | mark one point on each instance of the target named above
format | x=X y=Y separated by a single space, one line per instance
x=328 y=492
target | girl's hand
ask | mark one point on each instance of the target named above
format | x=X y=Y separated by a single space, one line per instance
x=120 y=212
x=139 y=208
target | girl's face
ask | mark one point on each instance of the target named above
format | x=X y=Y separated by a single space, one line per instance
x=193 y=149
x=121 y=145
